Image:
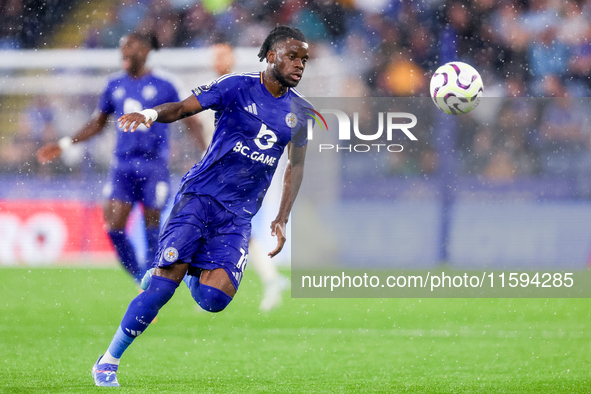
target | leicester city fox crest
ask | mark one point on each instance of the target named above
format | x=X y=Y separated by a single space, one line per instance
x=291 y=120
x=170 y=254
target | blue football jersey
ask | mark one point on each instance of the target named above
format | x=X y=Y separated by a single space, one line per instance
x=252 y=128
x=123 y=95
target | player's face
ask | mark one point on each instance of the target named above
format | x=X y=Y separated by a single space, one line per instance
x=223 y=59
x=134 y=53
x=288 y=61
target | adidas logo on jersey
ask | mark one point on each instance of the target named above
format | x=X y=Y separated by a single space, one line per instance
x=252 y=108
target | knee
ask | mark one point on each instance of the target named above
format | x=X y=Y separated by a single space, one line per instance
x=160 y=289
x=209 y=298
x=152 y=217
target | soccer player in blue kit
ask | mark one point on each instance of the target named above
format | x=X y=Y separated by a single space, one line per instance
x=139 y=171
x=205 y=240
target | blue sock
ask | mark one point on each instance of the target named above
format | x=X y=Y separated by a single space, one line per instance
x=126 y=253
x=120 y=343
x=188 y=279
x=140 y=313
x=152 y=233
x=209 y=298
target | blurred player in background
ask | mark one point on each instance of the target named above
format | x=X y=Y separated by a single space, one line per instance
x=139 y=169
x=273 y=282
x=205 y=240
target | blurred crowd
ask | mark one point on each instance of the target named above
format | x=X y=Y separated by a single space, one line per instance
x=522 y=48
x=28 y=23
x=528 y=137
x=391 y=45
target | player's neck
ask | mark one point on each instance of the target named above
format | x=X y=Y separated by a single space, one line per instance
x=273 y=85
x=140 y=72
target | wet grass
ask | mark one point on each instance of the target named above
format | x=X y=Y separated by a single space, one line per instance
x=54 y=323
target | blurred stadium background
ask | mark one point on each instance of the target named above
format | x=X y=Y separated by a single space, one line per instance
x=55 y=56
x=519 y=194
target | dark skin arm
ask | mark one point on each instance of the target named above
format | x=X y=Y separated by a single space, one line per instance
x=50 y=151
x=292 y=180
x=167 y=113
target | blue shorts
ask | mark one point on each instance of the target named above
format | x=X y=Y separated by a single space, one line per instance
x=139 y=180
x=201 y=232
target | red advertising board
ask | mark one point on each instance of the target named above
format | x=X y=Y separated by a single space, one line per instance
x=40 y=232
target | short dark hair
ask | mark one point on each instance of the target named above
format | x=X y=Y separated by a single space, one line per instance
x=278 y=34
x=149 y=38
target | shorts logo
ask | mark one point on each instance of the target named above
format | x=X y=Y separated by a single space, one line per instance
x=171 y=254
x=291 y=119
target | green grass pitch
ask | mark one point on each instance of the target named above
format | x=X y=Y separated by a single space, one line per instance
x=54 y=323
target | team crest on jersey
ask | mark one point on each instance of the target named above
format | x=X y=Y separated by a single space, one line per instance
x=171 y=254
x=291 y=119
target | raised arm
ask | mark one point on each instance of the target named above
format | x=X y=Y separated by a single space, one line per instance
x=165 y=113
x=292 y=180
x=50 y=151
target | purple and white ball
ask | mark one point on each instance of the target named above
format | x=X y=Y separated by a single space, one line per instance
x=456 y=88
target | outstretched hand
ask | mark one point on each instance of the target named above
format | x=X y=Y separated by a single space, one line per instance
x=48 y=152
x=278 y=229
x=131 y=121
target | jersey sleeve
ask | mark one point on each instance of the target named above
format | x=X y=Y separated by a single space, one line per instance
x=105 y=104
x=219 y=93
x=300 y=138
x=304 y=112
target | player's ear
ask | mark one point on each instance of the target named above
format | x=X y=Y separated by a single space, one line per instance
x=271 y=56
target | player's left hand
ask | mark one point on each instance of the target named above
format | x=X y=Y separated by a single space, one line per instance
x=131 y=121
x=48 y=152
x=278 y=228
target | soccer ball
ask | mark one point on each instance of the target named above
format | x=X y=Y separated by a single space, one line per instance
x=456 y=88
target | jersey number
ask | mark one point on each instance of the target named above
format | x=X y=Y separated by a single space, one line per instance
x=242 y=262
